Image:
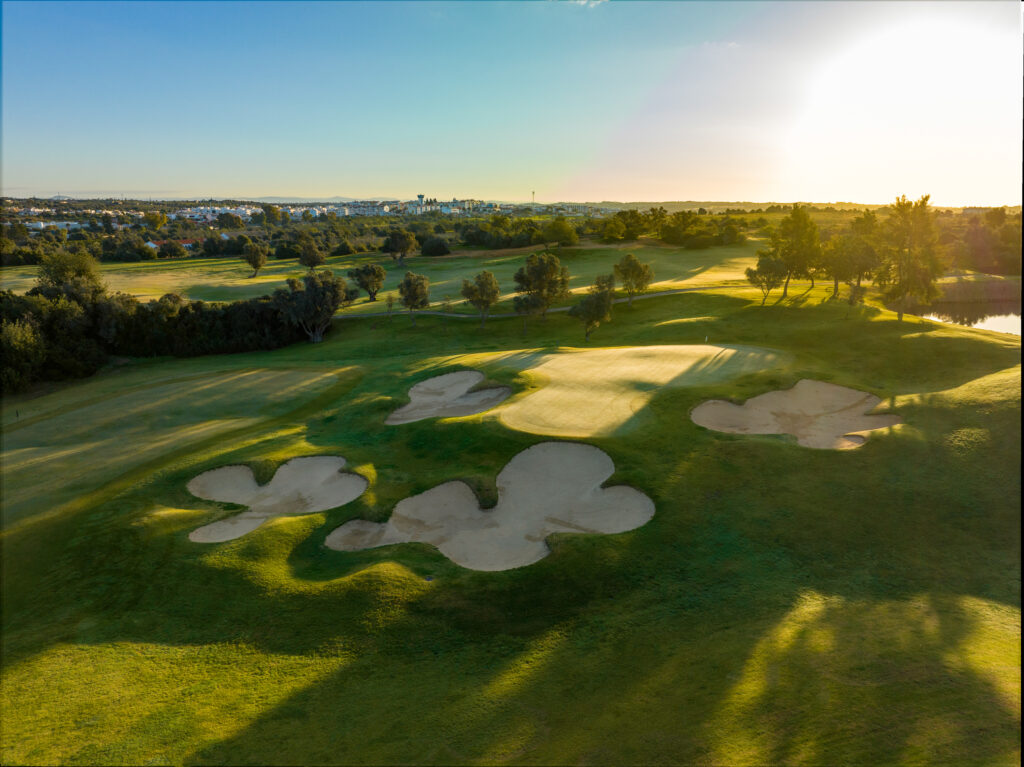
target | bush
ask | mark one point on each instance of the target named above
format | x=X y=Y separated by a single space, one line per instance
x=436 y=246
x=23 y=352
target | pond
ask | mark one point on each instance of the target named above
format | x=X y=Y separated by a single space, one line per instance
x=985 y=304
x=985 y=315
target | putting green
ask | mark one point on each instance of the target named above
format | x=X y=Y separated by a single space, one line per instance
x=596 y=392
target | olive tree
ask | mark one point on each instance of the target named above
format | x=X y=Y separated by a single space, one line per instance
x=414 y=291
x=596 y=306
x=369 y=277
x=254 y=253
x=544 y=279
x=310 y=303
x=482 y=293
x=634 y=276
x=309 y=254
x=768 y=275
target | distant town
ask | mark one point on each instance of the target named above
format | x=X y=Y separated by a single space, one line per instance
x=51 y=213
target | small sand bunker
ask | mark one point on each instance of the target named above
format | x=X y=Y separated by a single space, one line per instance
x=553 y=487
x=818 y=414
x=595 y=392
x=448 y=395
x=300 y=486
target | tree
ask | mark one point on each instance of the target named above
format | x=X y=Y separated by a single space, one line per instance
x=910 y=263
x=526 y=305
x=633 y=223
x=369 y=277
x=634 y=276
x=255 y=255
x=596 y=306
x=435 y=246
x=398 y=243
x=271 y=215
x=154 y=219
x=678 y=228
x=614 y=230
x=544 y=278
x=344 y=248
x=768 y=275
x=482 y=293
x=851 y=255
x=287 y=250
x=995 y=217
x=307 y=217
x=230 y=221
x=389 y=302
x=656 y=218
x=311 y=303
x=171 y=249
x=795 y=243
x=560 y=231
x=309 y=254
x=23 y=354
x=414 y=291
x=61 y=268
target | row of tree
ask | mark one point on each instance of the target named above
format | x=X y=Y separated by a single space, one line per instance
x=68 y=325
x=900 y=254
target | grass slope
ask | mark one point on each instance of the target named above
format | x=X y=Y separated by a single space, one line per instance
x=784 y=604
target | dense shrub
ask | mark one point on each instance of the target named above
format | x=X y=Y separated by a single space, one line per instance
x=436 y=246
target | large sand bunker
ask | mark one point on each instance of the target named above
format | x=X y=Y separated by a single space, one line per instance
x=300 y=486
x=594 y=392
x=448 y=395
x=818 y=414
x=553 y=487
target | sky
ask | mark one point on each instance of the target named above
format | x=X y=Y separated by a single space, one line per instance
x=572 y=101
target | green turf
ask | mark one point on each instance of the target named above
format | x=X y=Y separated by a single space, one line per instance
x=229 y=279
x=784 y=605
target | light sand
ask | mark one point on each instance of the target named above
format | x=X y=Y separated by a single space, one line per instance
x=818 y=414
x=595 y=392
x=448 y=395
x=553 y=487
x=300 y=486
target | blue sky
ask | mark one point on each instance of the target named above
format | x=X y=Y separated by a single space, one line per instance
x=580 y=101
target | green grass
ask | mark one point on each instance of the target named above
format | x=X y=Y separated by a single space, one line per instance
x=784 y=605
x=228 y=279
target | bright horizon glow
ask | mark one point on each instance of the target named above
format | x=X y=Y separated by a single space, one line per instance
x=637 y=101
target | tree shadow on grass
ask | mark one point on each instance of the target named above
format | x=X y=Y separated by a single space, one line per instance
x=784 y=604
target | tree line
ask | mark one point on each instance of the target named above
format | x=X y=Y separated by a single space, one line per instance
x=900 y=254
x=69 y=325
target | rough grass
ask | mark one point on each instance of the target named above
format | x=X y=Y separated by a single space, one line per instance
x=784 y=605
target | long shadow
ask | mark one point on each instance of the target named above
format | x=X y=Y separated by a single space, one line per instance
x=748 y=621
x=699 y=638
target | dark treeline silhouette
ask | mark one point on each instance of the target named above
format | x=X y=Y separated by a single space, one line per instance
x=69 y=325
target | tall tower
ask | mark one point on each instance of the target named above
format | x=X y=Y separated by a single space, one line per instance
x=533 y=197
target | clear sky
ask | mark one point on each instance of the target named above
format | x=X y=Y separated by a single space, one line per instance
x=580 y=101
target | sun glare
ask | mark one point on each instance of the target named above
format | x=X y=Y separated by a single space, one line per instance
x=917 y=108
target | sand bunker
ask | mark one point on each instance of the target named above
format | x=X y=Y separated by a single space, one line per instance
x=448 y=395
x=594 y=392
x=818 y=414
x=300 y=486
x=553 y=487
